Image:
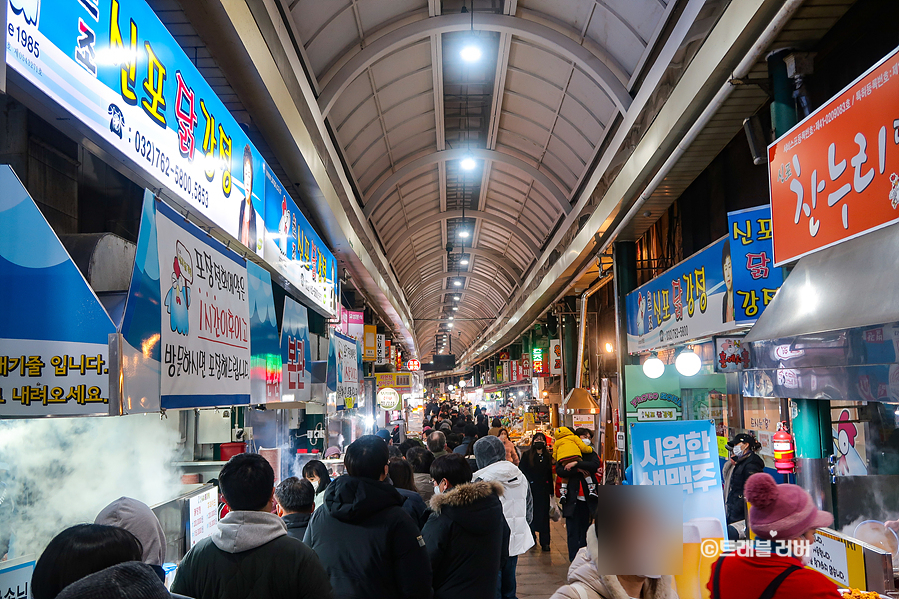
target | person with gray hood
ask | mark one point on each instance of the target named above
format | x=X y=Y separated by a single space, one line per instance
x=250 y=554
x=137 y=518
x=518 y=506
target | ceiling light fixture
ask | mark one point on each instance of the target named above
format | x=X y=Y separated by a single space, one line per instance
x=457 y=283
x=687 y=362
x=449 y=324
x=464 y=234
x=653 y=367
x=456 y=298
x=464 y=261
x=450 y=317
x=470 y=53
x=455 y=308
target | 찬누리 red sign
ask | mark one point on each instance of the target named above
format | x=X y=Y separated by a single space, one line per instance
x=835 y=175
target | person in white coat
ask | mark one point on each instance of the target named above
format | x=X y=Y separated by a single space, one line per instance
x=518 y=506
x=585 y=581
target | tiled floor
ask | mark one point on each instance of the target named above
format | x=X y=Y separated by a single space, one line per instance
x=541 y=573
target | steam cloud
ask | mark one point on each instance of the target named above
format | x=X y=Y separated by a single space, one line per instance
x=63 y=471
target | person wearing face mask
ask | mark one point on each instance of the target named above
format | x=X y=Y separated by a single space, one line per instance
x=316 y=473
x=778 y=513
x=466 y=535
x=744 y=462
x=536 y=464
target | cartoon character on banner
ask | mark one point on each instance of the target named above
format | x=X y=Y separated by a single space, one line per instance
x=284 y=226
x=293 y=238
x=894 y=190
x=641 y=313
x=177 y=300
x=845 y=435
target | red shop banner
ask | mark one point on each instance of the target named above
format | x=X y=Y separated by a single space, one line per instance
x=835 y=175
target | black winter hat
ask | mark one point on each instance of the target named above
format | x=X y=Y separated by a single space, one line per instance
x=129 y=580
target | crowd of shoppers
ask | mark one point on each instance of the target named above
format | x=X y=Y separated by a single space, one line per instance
x=426 y=522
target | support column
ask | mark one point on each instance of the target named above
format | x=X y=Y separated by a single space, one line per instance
x=814 y=446
x=624 y=257
x=783 y=106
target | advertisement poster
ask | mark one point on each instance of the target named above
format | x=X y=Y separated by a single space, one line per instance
x=835 y=175
x=381 y=350
x=537 y=355
x=652 y=400
x=204 y=515
x=114 y=66
x=401 y=381
x=54 y=350
x=355 y=326
x=295 y=249
x=555 y=357
x=681 y=453
x=389 y=399
x=344 y=368
x=265 y=343
x=754 y=277
x=296 y=354
x=205 y=317
x=370 y=344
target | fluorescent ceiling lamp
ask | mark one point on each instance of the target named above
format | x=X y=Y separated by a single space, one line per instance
x=468 y=163
x=455 y=308
x=470 y=53
x=464 y=235
x=464 y=261
x=457 y=283
x=456 y=298
x=450 y=317
x=449 y=324
x=653 y=367
x=687 y=362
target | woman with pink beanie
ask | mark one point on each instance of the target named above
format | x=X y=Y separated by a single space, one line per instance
x=778 y=513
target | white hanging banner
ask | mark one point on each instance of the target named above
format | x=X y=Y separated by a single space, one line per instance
x=205 y=317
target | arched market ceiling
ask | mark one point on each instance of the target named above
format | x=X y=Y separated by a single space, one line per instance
x=532 y=113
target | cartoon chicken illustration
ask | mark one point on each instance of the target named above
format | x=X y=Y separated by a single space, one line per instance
x=641 y=313
x=894 y=190
x=284 y=226
x=177 y=300
x=845 y=442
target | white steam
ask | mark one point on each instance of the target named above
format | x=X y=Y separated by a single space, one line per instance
x=63 y=471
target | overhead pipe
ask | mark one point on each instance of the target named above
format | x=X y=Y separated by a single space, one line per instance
x=582 y=324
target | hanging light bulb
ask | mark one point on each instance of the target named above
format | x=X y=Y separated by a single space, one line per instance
x=653 y=367
x=468 y=163
x=464 y=261
x=687 y=362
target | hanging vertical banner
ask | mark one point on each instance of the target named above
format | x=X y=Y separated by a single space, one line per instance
x=525 y=367
x=537 y=360
x=295 y=249
x=205 y=317
x=381 y=355
x=370 y=344
x=681 y=454
x=555 y=357
x=755 y=278
x=343 y=371
x=355 y=326
x=265 y=345
x=296 y=355
x=507 y=371
x=54 y=332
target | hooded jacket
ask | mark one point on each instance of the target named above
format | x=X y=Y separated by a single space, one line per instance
x=368 y=543
x=568 y=445
x=744 y=466
x=516 y=500
x=128 y=580
x=138 y=519
x=250 y=556
x=467 y=540
x=425 y=485
x=584 y=575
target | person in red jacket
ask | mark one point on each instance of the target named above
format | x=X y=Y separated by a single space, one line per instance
x=778 y=513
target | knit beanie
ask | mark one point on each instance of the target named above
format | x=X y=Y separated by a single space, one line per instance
x=129 y=580
x=488 y=451
x=781 y=511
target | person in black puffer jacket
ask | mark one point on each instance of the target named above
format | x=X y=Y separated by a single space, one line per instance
x=466 y=535
x=367 y=542
x=744 y=462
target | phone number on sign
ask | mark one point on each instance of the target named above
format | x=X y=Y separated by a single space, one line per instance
x=147 y=149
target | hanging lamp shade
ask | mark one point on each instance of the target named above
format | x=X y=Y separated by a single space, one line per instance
x=580 y=399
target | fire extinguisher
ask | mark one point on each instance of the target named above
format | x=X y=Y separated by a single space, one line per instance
x=784 y=450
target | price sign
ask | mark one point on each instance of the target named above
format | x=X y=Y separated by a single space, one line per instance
x=829 y=557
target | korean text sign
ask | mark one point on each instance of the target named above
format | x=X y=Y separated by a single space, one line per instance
x=15 y=578
x=294 y=248
x=754 y=277
x=835 y=175
x=205 y=317
x=344 y=368
x=681 y=454
x=687 y=301
x=296 y=354
x=114 y=66
x=54 y=332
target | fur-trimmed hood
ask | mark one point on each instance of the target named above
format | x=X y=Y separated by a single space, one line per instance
x=466 y=494
x=472 y=505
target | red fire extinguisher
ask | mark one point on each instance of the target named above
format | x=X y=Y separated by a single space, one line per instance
x=784 y=450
